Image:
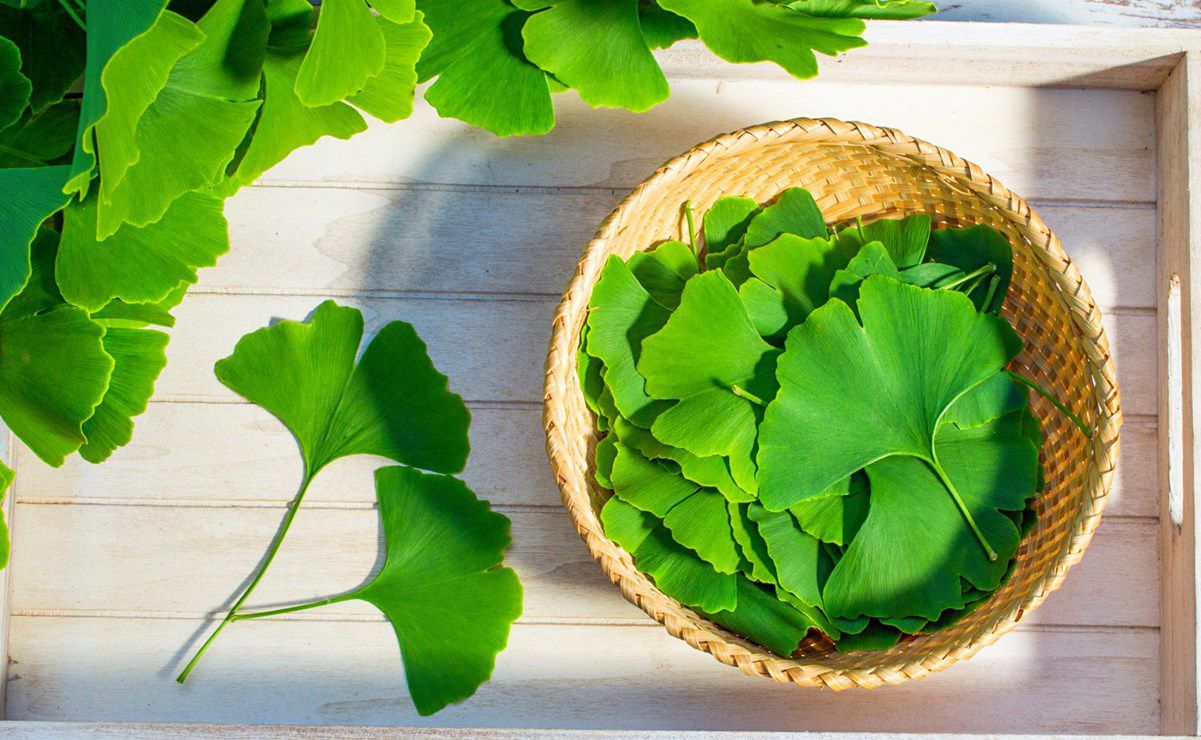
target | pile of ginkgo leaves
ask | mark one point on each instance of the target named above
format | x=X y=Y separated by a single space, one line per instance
x=814 y=429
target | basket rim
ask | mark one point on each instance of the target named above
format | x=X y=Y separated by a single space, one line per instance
x=1070 y=288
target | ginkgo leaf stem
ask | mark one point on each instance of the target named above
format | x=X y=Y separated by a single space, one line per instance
x=992 y=291
x=744 y=393
x=967 y=514
x=1033 y=385
x=290 y=609
x=74 y=15
x=232 y=614
x=986 y=269
x=691 y=227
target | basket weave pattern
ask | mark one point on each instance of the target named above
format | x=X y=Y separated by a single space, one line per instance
x=855 y=170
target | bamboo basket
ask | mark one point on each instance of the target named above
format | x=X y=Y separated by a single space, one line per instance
x=857 y=170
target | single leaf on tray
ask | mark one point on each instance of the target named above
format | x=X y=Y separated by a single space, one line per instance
x=800 y=270
x=139 y=264
x=28 y=196
x=599 y=50
x=862 y=393
x=483 y=78
x=705 y=356
x=442 y=585
x=747 y=31
x=970 y=249
x=50 y=67
x=766 y=308
x=913 y=548
x=348 y=49
x=622 y=314
x=392 y=403
x=53 y=367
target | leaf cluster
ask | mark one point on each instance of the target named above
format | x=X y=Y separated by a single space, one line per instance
x=442 y=585
x=813 y=429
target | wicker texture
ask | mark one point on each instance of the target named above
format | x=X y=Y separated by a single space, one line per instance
x=858 y=170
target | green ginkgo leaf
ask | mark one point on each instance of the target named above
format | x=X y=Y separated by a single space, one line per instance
x=709 y=358
x=389 y=95
x=794 y=213
x=661 y=28
x=875 y=637
x=761 y=616
x=904 y=239
x=913 y=548
x=798 y=558
x=931 y=275
x=757 y=563
x=835 y=519
x=139 y=356
x=396 y=11
x=284 y=123
x=392 y=403
x=647 y=485
x=701 y=522
x=139 y=264
x=725 y=224
x=348 y=49
x=42 y=138
x=767 y=310
x=622 y=315
x=53 y=367
x=598 y=49
x=800 y=270
x=872 y=259
x=677 y=571
x=51 y=68
x=15 y=87
x=710 y=472
x=483 y=77
x=895 y=10
x=862 y=393
x=6 y=481
x=217 y=82
x=972 y=249
x=664 y=270
x=28 y=196
x=442 y=585
x=113 y=29
x=742 y=31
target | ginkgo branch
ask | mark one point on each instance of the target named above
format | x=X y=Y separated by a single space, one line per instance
x=232 y=615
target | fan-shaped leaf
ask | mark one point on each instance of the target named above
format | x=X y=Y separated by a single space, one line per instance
x=27 y=198
x=347 y=50
x=50 y=67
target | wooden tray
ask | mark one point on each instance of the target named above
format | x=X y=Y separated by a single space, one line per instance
x=118 y=569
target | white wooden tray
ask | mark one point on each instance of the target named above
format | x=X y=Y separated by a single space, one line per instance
x=118 y=569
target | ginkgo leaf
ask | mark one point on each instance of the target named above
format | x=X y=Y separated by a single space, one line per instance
x=53 y=367
x=904 y=239
x=393 y=403
x=284 y=123
x=766 y=308
x=28 y=196
x=599 y=50
x=710 y=472
x=913 y=548
x=396 y=11
x=217 y=82
x=725 y=223
x=794 y=212
x=14 y=86
x=742 y=31
x=875 y=637
x=622 y=314
x=970 y=249
x=896 y=10
x=931 y=275
x=872 y=259
x=483 y=78
x=442 y=585
x=51 y=68
x=800 y=270
x=348 y=49
x=139 y=264
x=994 y=398
x=677 y=571
x=139 y=356
x=605 y=457
x=6 y=481
x=704 y=356
x=798 y=558
x=835 y=519
x=861 y=393
x=647 y=485
x=661 y=28
x=761 y=616
x=701 y=522
x=113 y=28
x=389 y=95
x=664 y=270
x=42 y=138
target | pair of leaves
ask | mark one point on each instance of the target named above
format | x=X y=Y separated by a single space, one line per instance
x=441 y=585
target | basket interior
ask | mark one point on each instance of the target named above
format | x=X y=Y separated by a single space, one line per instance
x=868 y=181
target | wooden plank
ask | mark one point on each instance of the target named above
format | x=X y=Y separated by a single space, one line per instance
x=190 y=559
x=1086 y=12
x=1180 y=381
x=564 y=676
x=457 y=240
x=1041 y=143
x=493 y=348
x=229 y=453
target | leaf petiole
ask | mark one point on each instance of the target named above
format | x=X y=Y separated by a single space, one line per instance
x=290 y=609
x=992 y=291
x=691 y=228
x=986 y=269
x=744 y=393
x=1033 y=385
x=967 y=515
x=232 y=614
x=71 y=11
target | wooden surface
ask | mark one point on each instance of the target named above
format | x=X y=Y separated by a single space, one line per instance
x=1119 y=12
x=118 y=569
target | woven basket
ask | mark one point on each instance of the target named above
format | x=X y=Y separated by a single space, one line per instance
x=857 y=170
